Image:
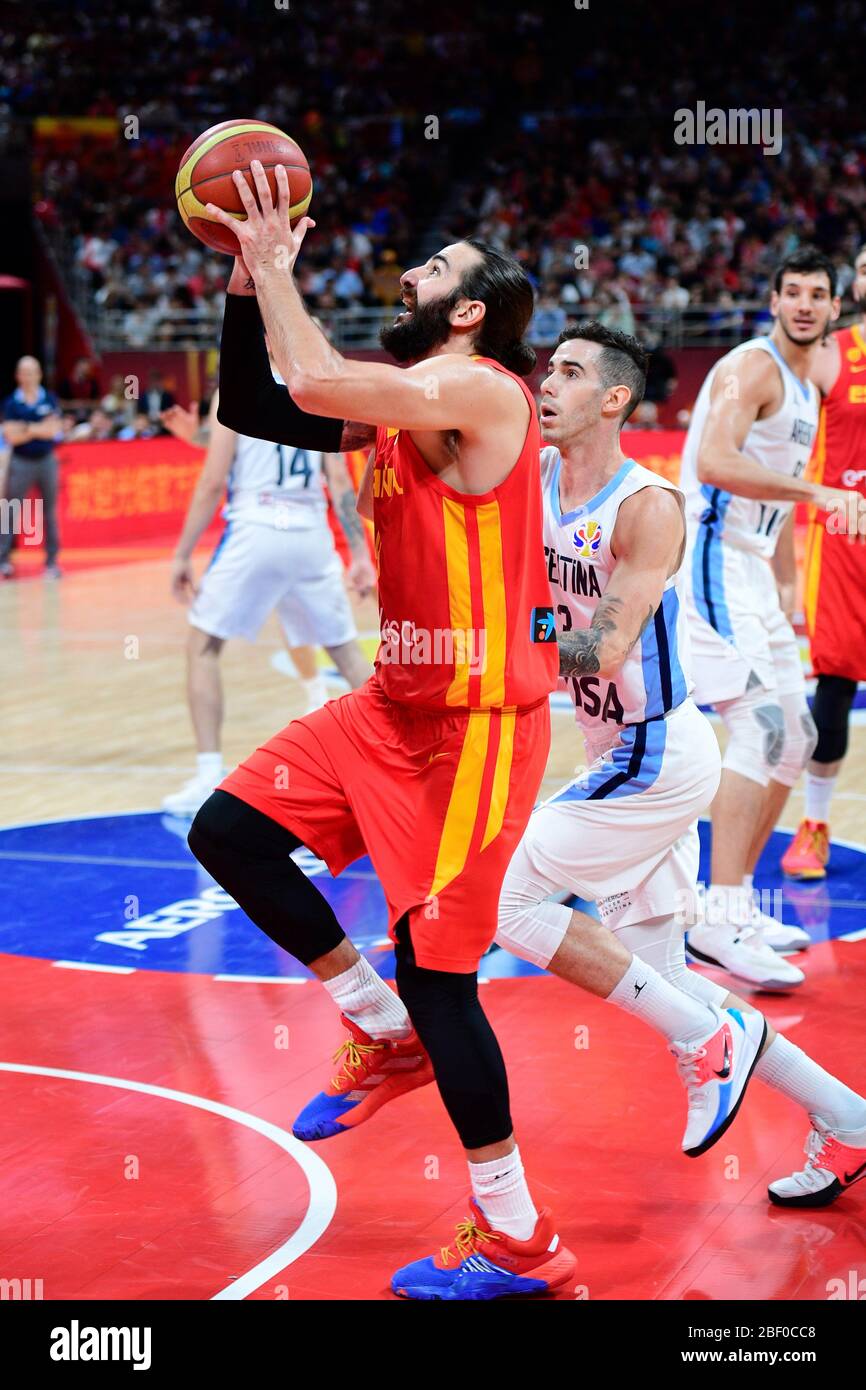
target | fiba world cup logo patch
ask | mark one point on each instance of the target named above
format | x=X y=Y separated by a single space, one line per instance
x=587 y=538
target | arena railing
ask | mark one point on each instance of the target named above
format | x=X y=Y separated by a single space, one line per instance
x=358 y=329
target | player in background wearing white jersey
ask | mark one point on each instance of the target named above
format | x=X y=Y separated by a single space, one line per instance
x=747 y=447
x=277 y=552
x=624 y=833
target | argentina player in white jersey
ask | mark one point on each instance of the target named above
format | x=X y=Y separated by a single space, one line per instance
x=623 y=833
x=747 y=449
x=277 y=553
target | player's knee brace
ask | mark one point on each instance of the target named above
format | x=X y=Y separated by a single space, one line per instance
x=447 y=1015
x=801 y=736
x=756 y=727
x=831 y=709
x=248 y=855
x=529 y=927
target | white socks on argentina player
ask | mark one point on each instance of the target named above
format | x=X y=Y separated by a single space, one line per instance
x=680 y=1017
x=363 y=996
x=786 y=1068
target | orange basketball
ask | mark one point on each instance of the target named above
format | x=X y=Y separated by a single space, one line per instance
x=205 y=176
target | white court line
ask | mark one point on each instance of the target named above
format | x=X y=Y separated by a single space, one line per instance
x=320 y=1180
x=263 y=979
x=106 y=860
x=103 y=969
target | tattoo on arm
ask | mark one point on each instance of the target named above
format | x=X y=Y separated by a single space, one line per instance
x=579 y=651
x=349 y=518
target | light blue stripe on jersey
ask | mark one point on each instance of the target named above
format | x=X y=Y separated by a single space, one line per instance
x=708 y=580
x=593 y=502
x=679 y=687
x=664 y=682
x=632 y=767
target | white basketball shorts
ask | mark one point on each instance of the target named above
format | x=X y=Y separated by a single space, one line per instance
x=256 y=569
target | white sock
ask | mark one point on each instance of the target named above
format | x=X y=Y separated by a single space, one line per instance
x=680 y=1017
x=209 y=767
x=786 y=1068
x=363 y=996
x=499 y=1188
x=819 y=790
x=316 y=691
x=748 y=882
x=728 y=904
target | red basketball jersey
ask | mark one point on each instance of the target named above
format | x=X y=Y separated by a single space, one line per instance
x=460 y=580
x=835 y=587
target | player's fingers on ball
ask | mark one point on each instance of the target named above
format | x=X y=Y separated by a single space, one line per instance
x=219 y=215
x=246 y=194
x=263 y=188
x=284 y=200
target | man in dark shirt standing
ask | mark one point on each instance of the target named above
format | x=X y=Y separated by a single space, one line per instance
x=31 y=424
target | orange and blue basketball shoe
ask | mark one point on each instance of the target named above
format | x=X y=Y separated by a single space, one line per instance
x=370 y=1072
x=482 y=1263
x=808 y=854
x=835 y=1160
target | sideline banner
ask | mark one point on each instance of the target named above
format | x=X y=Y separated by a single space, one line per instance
x=120 y=492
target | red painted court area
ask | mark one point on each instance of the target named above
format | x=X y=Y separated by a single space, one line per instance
x=111 y=1192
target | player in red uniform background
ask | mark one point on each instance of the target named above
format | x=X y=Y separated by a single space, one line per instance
x=835 y=590
x=433 y=766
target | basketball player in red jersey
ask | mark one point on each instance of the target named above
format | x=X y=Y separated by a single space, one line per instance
x=433 y=766
x=835 y=579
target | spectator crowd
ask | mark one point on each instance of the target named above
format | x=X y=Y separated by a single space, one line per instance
x=549 y=134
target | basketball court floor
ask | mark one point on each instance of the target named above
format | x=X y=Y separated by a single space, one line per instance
x=155 y=1047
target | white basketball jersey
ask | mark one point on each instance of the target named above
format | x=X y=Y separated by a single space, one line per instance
x=654 y=677
x=276 y=485
x=782 y=443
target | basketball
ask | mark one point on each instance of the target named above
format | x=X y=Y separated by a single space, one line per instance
x=205 y=176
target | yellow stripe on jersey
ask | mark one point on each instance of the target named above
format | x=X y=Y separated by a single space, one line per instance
x=493 y=599
x=813 y=571
x=459 y=598
x=817 y=463
x=462 y=810
x=816 y=529
x=501 y=778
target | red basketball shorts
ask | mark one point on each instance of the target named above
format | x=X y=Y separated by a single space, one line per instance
x=439 y=801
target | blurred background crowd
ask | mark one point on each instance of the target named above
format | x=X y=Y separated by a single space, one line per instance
x=563 y=156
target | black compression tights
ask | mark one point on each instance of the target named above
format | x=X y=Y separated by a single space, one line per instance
x=248 y=854
x=830 y=710
x=467 y=1061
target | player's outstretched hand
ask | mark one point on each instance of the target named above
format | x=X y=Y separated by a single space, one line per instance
x=183 y=424
x=183 y=585
x=266 y=237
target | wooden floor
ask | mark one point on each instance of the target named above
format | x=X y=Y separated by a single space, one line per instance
x=94 y=715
